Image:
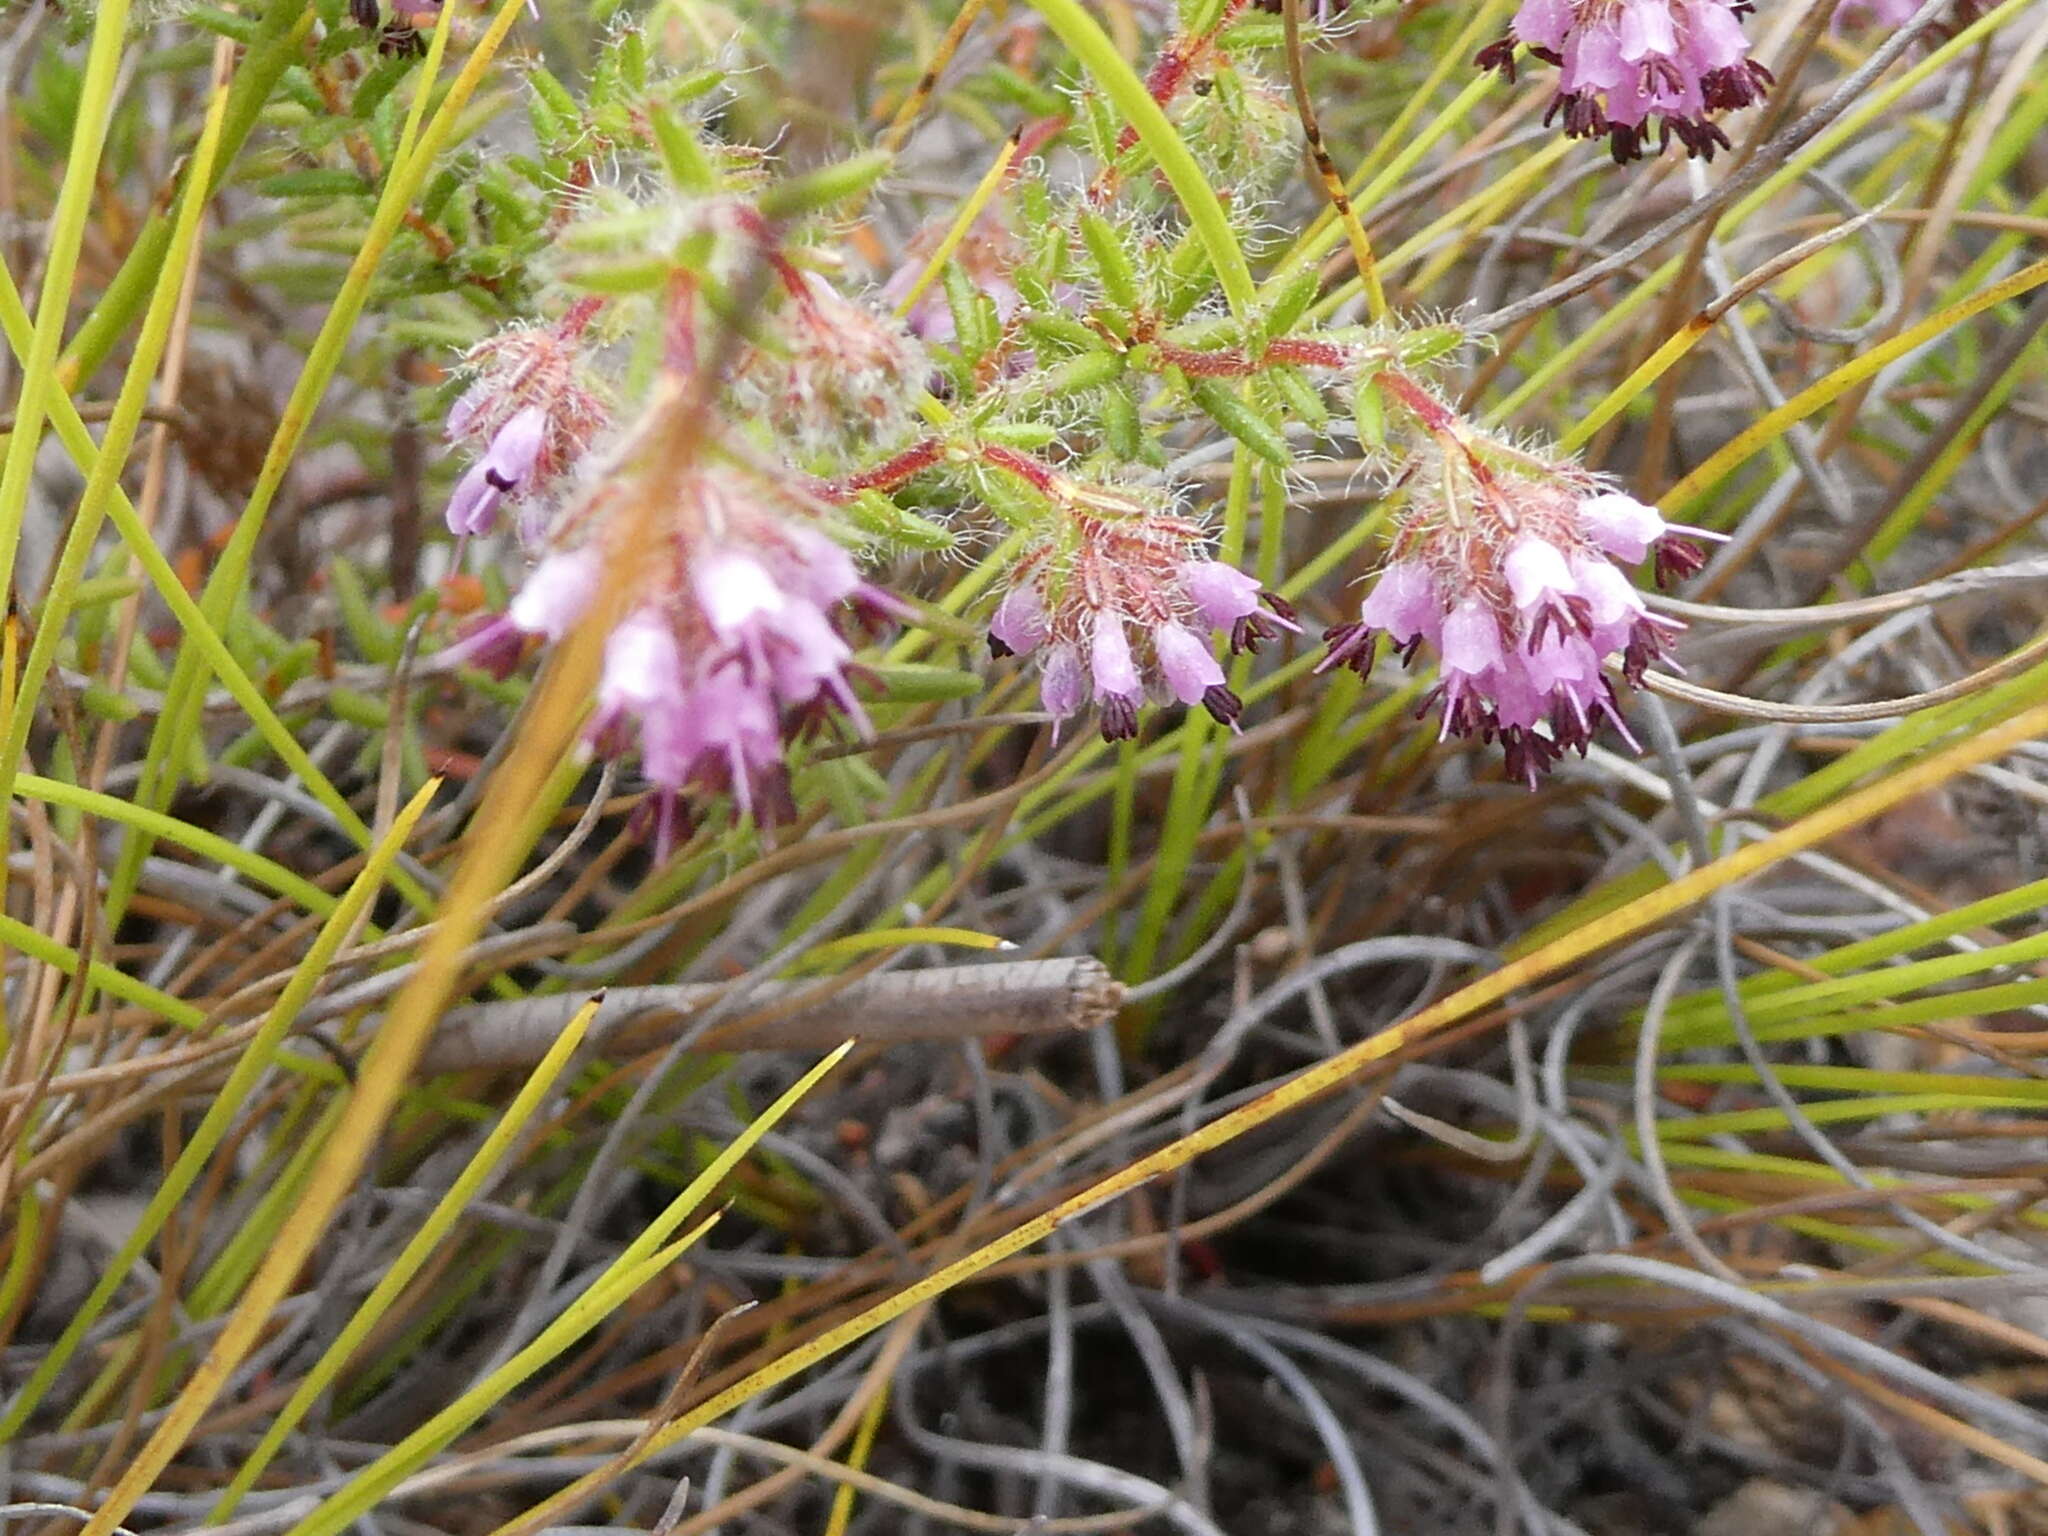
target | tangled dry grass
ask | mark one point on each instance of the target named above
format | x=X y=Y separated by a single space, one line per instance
x=1681 y=1166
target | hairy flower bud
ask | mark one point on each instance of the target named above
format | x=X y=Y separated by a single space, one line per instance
x=532 y=408
x=837 y=379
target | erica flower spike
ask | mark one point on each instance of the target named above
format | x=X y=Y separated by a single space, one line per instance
x=1510 y=572
x=1634 y=67
x=1118 y=601
x=737 y=643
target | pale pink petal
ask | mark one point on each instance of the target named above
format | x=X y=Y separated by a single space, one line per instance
x=1536 y=573
x=516 y=448
x=1607 y=592
x=1403 y=603
x=1646 y=30
x=1717 y=38
x=736 y=591
x=1110 y=659
x=1185 y=661
x=1019 y=621
x=1471 y=639
x=643 y=665
x=557 y=592
x=1062 y=684
x=473 y=507
x=1621 y=525
x=1221 y=593
x=1543 y=23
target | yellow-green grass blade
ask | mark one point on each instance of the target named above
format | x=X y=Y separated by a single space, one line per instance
x=163 y=579
x=253 y=1062
x=440 y=1222
x=89 y=124
x=642 y=1259
x=224 y=586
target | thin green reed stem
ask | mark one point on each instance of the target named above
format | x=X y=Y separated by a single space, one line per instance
x=642 y=1259
x=1211 y=224
x=226 y=584
x=430 y=71
x=1767 y=428
x=226 y=1104
x=1188 y=807
x=60 y=266
x=1880 y=101
x=114 y=445
x=1488 y=18
x=1973 y=714
x=1371 y=180
x=1122 y=820
x=1209 y=907
x=37 y=945
x=1206 y=216
x=282 y=32
x=440 y=1223
x=72 y=433
x=1905 y=518
x=253 y=867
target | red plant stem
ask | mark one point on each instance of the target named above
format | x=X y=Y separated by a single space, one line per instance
x=1034 y=138
x=1038 y=476
x=1306 y=352
x=792 y=280
x=580 y=314
x=1204 y=365
x=1176 y=61
x=582 y=176
x=887 y=475
x=679 y=347
x=1230 y=363
x=1420 y=403
x=1162 y=80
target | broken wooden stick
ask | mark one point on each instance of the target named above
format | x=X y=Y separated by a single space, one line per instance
x=1005 y=997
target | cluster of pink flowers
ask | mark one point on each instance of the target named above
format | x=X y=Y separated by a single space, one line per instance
x=745 y=648
x=737 y=638
x=1517 y=590
x=1631 y=68
x=736 y=645
x=533 y=406
x=1118 y=602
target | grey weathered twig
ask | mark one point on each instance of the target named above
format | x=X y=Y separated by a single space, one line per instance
x=1014 y=997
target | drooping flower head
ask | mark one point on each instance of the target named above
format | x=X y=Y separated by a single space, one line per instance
x=740 y=641
x=1509 y=568
x=1118 y=600
x=734 y=634
x=532 y=407
x=1634 y=69
x=737 y=641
